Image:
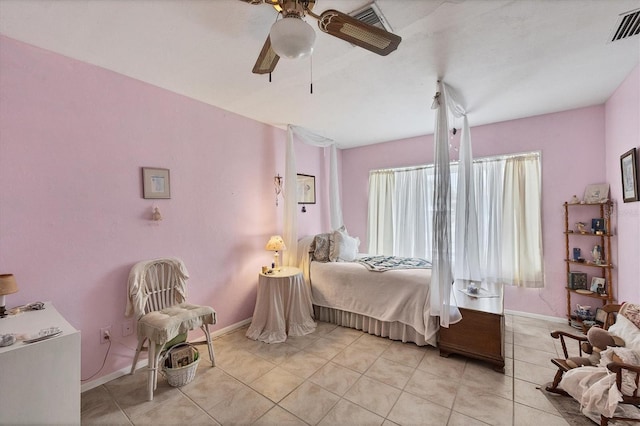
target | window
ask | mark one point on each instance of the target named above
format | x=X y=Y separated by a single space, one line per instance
x=508 y=202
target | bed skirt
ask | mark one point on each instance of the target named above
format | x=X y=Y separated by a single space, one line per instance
x=393 y=330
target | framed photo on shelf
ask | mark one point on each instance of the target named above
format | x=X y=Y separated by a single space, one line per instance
x=597 y=225
x=597 y=285
x=306 y=189
x=629 y=173
x=596 y=193
x=155 y=183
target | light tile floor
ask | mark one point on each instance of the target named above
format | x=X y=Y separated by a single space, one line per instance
x=340 y=376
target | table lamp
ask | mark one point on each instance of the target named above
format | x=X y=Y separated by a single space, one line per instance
x=8 y=285
x=276 y=244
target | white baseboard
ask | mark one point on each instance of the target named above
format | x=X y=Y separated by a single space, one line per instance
x=143 y=363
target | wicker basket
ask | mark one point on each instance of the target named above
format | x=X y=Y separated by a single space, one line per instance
x=180 y=376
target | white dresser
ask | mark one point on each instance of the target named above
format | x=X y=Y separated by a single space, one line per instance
x=40 y=381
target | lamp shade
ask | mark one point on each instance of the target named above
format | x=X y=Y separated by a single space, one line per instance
x=291 y=37
x=276 y=243
x=8 y=284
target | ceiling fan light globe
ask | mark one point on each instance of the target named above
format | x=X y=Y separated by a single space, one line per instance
x=292 y=38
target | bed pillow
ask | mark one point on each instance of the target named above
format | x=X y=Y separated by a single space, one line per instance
x=321 y=248
x=333 y=249
x=345 y=247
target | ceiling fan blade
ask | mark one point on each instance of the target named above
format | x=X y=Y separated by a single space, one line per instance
x=254 y=2
x=267 y=60
x=354 y=31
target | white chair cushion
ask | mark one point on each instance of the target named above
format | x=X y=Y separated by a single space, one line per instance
x=162 y=326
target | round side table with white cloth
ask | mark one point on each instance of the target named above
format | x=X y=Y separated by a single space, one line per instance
x=283 y=307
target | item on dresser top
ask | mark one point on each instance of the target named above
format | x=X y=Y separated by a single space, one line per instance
x=7 y=339
x=45 y=333
x=35 y=306
x=477 y=292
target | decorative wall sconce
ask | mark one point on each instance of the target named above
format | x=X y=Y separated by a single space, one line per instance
x=277 y=182
x=156 y=216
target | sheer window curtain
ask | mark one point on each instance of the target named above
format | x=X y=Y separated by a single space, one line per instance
x=399 y=216
x=522 y=234
x=380 y=212
x=508 y=200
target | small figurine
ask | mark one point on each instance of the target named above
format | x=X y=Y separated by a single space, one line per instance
x=597 y=254
x=156 y=216
x=580 y=227
x=574 y=200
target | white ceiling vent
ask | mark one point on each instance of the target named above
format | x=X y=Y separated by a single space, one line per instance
x=627 y=25
x=370 y=14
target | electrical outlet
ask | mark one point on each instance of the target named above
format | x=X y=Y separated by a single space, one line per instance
x=105 y=334
x=127 y=328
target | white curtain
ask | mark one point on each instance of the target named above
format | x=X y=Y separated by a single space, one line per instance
x=489 y=178
x=380 y=212
x=508 y=206
x=412 y=236
x=442 y=304
x=290 y=231
x=522 y=235
x=511 y=248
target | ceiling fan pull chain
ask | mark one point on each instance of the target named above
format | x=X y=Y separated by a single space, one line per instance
x=311 y=75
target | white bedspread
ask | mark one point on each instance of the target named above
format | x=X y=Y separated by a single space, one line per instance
x=400 y=295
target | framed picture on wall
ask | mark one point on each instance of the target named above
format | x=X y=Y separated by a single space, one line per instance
x=629 y=176
x=306 y=189
x=155 y=183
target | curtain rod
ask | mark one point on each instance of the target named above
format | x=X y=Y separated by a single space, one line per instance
x=476 y=160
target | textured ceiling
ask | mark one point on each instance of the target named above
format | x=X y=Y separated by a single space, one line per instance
x=507 y=59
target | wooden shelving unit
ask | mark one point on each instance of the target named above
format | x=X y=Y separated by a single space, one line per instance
x=592 y=269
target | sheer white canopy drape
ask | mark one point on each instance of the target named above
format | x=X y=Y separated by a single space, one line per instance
x=442 y=304
x=290 y=231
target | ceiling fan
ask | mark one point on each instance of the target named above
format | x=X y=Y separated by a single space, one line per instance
x=292 y=37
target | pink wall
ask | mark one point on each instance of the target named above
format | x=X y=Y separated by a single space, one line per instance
x=622 y=120
x=572 y=147
x=73 y=138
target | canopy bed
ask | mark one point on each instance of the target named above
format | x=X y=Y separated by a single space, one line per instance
x=393 y=303
x=407 y=305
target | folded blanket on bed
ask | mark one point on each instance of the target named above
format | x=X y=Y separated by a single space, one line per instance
x=386 y=263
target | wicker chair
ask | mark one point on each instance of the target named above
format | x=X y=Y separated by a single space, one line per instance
x=156 y=295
